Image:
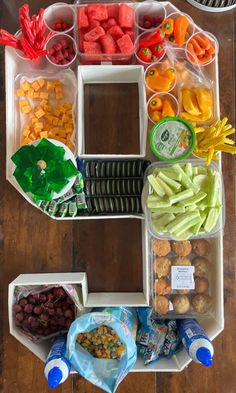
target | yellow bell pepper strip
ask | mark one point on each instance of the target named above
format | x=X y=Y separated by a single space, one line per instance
x=180 y=29
x=214 y=139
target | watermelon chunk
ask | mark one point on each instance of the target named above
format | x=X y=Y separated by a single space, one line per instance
x=125 y=44
x=93 y=48
x=116 y=32
x=130 y=32
x=83 y=22
x=111 y=22
x=94 y=34
x=126 y=16
x=81 y=40
x=104 y=26
x=97 y=11
x=108 y=44
x=113 y=11
x=93 y=23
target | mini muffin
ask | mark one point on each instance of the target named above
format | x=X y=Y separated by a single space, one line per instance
x=181 y=261
x=162 y=286
x=161 y=305
x=201 y=285
x=162 y=266
x=202 y=266
x=201 y=247
x=202 y=303
x=181 y=304
x=182 y=248
x=161 y=247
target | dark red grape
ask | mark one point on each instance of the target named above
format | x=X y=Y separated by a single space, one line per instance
x=39 y=331
x=50 y=296
x=17 y=308
x=60 y=292
x=68 y=323
x=44 y=317
x=42 y=298
x=25 y=324
x=28 y=308
x=38 y=310
x=33 y=322
x=19 y=316
x=49 y=304
x=54 y=321
x=69 y=300
x=51 y=311
x=31 y=299
x=61 y=321
x=23 y=302
x=68 y=313
x=36 y=297
x=59 y=311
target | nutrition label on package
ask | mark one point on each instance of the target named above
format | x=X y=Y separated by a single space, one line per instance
x=182 y=277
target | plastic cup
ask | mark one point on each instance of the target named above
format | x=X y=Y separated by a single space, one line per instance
x=170 y=97
x=191 y=27
x=136 y=49
x=62 y=11
x=162 y=66
x=211 y=38
x=39 y=63
x=55 y=40
x=150 y=8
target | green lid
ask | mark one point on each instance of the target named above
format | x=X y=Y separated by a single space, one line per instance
x=172 y=139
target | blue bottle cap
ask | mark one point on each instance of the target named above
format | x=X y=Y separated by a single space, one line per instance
x=204 y=356
x=54 y=377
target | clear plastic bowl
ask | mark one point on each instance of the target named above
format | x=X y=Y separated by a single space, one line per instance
x=147 y=213
x=191 y=27
x=170 y=97
x=55 y=39
x=160 y=66
x=63 y=11
x=150 y=8
x=211 y=38
x=136 y=49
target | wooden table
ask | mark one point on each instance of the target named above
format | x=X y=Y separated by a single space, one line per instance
x=31 y=242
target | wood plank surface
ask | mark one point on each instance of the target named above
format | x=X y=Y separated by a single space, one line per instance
x=32 y=242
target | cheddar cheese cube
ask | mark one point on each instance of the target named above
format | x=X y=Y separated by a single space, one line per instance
x=50 y=86
x=20 y=93
x=30 y=93
x=58 y=89
x=56 y=113
x=39 y=113
x=43 y=95
x=26 y=141
x=26 y=109
x=60 y=123
x=35 y=85
x=33 y=136
x=55 y=121
x=34 y=120
x=26 y=132
x=38 y=126
x=59 y=96
x=36 y=95
x=65 y=118
x=23 y=103
x=25 y=86
x=41 y=82
x=44 y=134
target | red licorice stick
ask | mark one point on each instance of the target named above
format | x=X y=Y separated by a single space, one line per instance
x=28 y=50
x=8 y=43
x=4 y=34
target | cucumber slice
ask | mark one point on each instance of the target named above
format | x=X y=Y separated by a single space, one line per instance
x=160 y=224
x=155 y=186
x=170 y=172
x=188 y=170
x=181 y=220
x=172 y=183
x=181 y=196
x=157 y=215
x=171 y=209
x=201 y=170
x=212 y=218
x=191 y=208
x=194 y=199
x=184 y=236
x=165 y=186
x=202 y=181
x=214 y=188
x=186 y=181
x=158 y=204
x=189 y=225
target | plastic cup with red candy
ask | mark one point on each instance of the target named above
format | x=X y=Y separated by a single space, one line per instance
x=61 y=25
x=62 y=50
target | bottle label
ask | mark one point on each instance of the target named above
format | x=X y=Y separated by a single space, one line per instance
x=182 y=277
x=58 y=349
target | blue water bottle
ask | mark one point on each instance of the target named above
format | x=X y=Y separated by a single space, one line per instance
x=198 y=346
x=57 y=367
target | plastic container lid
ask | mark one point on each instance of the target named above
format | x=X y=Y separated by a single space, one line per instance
x=172 y=139
x=54 y=377
x=203 y=355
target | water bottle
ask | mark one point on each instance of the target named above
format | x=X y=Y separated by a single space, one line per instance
x=57 y=367
x=198 y=346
